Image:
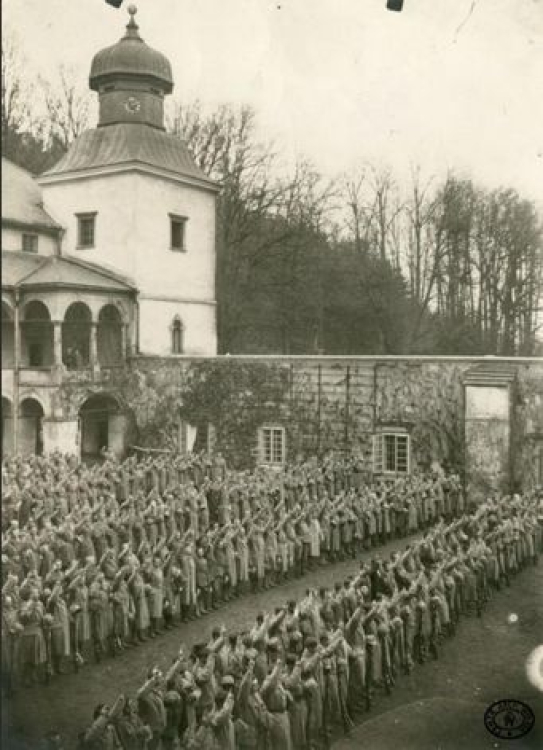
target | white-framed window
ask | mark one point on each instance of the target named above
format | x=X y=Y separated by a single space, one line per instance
x=178 y=233
x=391 y=452
x=86 y=229
x=272 y=445
x=30 y=243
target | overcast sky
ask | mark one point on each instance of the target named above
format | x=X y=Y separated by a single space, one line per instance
x=444 y=84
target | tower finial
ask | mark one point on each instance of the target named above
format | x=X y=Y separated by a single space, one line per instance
x=132 y=27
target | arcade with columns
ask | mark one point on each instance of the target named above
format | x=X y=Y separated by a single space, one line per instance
x=53 y=339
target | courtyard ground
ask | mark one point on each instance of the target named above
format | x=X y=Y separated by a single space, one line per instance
x=440 y=706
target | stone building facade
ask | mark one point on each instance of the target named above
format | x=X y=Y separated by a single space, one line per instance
x=110 y=253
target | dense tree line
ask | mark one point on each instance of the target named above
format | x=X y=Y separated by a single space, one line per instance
x=305 y=264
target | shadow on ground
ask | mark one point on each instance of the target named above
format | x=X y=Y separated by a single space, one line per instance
x=434 y=724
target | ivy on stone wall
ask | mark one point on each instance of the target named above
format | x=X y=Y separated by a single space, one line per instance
x=322 y=407
x=236 y=398
x=153 y=394
x=430 y=399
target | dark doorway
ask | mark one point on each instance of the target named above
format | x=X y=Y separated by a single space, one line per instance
x=98 y=419
x=30 y=431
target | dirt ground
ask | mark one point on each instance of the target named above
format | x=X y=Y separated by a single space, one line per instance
x=440 y=706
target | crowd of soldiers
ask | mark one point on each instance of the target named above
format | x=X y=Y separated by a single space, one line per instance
x=96 y=559
x=302 y=674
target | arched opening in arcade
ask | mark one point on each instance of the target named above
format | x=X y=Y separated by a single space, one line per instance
x=102 y=427
x=110 y=336
x=8 y=338
x=7 y=427
x=30 y=431
x=36 y=336
x=76 y=333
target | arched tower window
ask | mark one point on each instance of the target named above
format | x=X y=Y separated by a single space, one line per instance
x=177 y=336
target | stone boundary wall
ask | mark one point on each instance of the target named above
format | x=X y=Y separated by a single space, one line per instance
x=327 y=403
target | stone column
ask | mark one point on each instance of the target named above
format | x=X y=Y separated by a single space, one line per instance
x=93 y=351
x=16 y=371
x=124 y=342
x=57 y=344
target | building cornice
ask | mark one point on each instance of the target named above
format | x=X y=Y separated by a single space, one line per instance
x=32 y=227
x=174 y=298
x=54 y=286
x=127 y=167
x=369 y=359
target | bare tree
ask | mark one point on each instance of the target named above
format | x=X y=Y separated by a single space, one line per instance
x=373 y=211
x=15 y=93
x=264 y=216
x=68 y=106
x=357 y=220
x=422 y=250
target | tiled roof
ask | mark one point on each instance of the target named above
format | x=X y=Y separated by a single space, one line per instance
x=131 y=56
x=23 y=271
x=16 y=266
x=491 y=373
x=22 y=200
x=129 y=142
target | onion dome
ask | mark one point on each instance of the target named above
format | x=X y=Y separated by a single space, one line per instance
x=132 y=81
x=131 y=57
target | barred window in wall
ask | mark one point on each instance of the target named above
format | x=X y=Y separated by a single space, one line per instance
x=272 y=445
x=30 y=243
x=391 y=453
x=177 y=233
x=86 y=225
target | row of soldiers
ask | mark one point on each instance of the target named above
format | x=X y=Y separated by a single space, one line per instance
x=97 y=559
x=303 y=674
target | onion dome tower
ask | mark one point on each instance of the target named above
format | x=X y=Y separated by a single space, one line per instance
x=131 y=80
x=133 y=199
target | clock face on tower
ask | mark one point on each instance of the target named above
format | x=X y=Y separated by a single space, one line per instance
x=132 y=105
